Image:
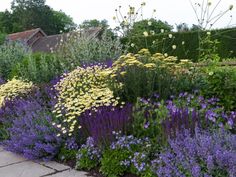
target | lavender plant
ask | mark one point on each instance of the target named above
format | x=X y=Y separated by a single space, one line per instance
x=100 y=124
x=32 y=134
x=160 y=119
x=204 y=154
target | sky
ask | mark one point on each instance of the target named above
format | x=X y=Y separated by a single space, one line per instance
x=172 y=11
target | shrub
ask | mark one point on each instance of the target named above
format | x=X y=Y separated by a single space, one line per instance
x=86 y=49
x=204 y=154
x=14 y=88
x=123 y=155
x=88 y=156
x=159 y=120
x=100 y=124
x=11 y=53
x=81 y=90
x=27 y=126
x=187 y=43
x=32 y=135
x=38 y=68
x=221 y=81
x=141 y=74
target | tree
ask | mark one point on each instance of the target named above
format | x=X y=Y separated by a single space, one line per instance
x=94 y=23
x=29 y=14
x=151 y=26
x=183 y=27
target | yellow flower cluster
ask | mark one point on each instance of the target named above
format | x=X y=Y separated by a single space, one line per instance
x=144 y=59
x=81 y=90
x=14 y=88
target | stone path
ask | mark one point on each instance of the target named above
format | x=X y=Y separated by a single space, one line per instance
x=12 y=165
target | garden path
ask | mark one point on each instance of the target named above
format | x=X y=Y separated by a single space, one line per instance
x=13 y=165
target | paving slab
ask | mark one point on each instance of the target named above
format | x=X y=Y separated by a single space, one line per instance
x=8 y=158
x=54 y=165
x=70 y=173
x=25 y=169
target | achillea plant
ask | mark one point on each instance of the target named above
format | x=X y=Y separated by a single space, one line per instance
x=14 y=88
x=204 y=154
x=81 y=90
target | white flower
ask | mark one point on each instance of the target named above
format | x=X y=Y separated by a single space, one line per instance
x=64 y=131
x=170 y=36
x=58 y=134
x=183 y=42
x=145 y=33
x=208 y=33
x=211 y=73
x=149 y=23
x=174 y=47
x=152 y=32
x=132 y=45
x=59 y=126
x=166 y=55
x=162 y=30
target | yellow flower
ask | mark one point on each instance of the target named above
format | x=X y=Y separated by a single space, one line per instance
x=145 y=33
x=174 y=47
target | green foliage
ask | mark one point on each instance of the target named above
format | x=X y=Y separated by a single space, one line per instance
x=221 y=82
x=66 y=154
x=86 y=49
x=39 y=68
x=28 y=14
x=111 y=162
x=11 y=53
x=152 y=26
x=2 y=38
x=142 y=74
x=187 y=43
x=94 y=23
x=147 y=121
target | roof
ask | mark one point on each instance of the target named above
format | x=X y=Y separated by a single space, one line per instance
x=50 y=43
x=25 y=35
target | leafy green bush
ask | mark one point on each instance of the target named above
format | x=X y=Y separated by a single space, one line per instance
x=86 y=49
x=187 y=43
x=11 y=53
x=221 y=82
x=142 y=74
x=39 y=68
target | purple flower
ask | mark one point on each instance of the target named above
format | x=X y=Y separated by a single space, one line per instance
x=100 y=125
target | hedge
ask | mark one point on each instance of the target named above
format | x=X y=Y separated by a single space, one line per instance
x=163 y=44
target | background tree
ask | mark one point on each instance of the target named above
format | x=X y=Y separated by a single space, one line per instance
x=94 y=23
x=151 y=26
x=29 y=14
x=182 y=27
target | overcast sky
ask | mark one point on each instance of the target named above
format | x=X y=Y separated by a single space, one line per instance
x=172 y=11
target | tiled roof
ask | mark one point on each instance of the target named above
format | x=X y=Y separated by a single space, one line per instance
x=51 y=43
x=25 y=35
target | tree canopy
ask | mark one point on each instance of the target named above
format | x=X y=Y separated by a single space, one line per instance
x=151 y=26
x=29 y=14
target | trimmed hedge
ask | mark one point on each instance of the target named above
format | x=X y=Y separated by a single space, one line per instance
x=226 y=37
